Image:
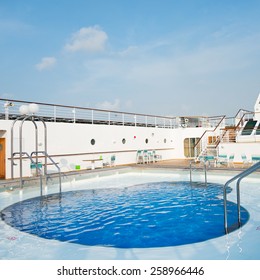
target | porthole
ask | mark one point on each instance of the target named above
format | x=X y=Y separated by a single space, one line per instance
x=93 y=141
x=146 y=140
x=164 y=140
x=123 y=141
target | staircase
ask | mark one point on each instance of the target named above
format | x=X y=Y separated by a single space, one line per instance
x=208 y=143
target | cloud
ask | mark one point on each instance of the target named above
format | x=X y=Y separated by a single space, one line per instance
x=46 y=63
x=131 y=50
x=170 y=82
x=89 y=39
x=106 y=105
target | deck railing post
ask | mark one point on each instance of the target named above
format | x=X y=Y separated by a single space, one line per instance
x=74 y=115
x=54 y=113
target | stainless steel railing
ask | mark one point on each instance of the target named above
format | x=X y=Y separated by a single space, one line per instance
x=9 y=109
x=35 y=164
x=204 y=167
x=53 y=162
x=76 y=114
x=238 y=177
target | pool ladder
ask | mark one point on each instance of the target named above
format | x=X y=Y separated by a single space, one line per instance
x=238 y=177
x=204 y=167
x=53 y=162
x=35 y=163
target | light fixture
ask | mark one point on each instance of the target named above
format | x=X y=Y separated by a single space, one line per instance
x=24 y=110
x=29 y=109
x=8 y=104
x=33 y=108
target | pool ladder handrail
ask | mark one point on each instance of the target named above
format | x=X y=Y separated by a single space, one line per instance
x=51 y=159
x=239 y=176
x=33 y=162
x=205 y=170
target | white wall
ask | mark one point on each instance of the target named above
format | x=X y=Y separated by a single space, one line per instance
x=238 y=149
x=66 y=139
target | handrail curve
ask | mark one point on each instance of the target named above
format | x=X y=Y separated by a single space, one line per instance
x=36 y=166
x=54 y=163
x=239 y=176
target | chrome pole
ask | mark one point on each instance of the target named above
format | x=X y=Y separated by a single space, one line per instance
x=238 y=202
x=205 y=172
x=12 y=146
x=190 y=172
x=20 y=150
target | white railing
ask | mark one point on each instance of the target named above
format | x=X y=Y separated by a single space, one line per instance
x=200 y=147
x=58 y=113
x=9 y=109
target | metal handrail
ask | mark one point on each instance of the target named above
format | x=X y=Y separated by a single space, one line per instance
x=239 y=176
x=205 y=171
x=36 y=166
x=222 y=118
x=72 y=113
x=23 y=118
x=64 y=113
x=54 y=163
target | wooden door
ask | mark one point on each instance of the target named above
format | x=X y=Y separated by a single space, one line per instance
x=2 y=158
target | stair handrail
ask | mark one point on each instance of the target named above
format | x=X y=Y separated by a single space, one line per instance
x=236 y=127
x=33 y=162
x=239 y=176
x=54 y=163
x=202 y=136
x=241 y=119
x=244 y=112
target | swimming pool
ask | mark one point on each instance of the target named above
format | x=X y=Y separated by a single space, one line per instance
x=240 y=244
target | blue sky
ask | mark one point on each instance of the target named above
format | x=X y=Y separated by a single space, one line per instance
x=166 y=57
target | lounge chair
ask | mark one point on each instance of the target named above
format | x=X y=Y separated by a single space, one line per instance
x=226 y=160
x=255 y=158
x=245 y=160
x=139 y=156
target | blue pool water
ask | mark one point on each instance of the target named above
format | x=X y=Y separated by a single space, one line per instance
x=141 y=216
